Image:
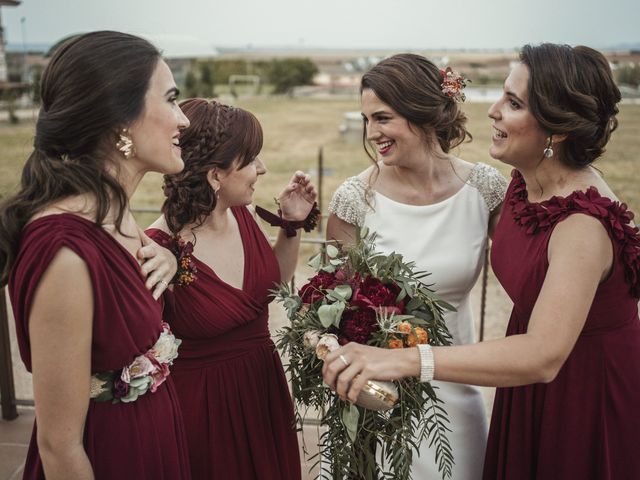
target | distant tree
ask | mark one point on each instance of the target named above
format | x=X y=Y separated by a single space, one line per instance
x=205 y=74
x=290 y=72
x=206 y=79
x=35 y=84
x=223 y=69
x=8 y=96
x=190 y=85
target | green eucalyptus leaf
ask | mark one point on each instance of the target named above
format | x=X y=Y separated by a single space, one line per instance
x=447 y=305
x=419 y=321
x=350 y=417
x=315 y=262
x=330 y=314
x=344 y=291
x=329 y=268
x=428 y=316
x=338 y=308
x=332 y=252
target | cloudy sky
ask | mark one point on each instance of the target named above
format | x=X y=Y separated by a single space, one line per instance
x=389 y=24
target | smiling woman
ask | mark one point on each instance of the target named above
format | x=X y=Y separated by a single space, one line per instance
x=432 y=207
x=568 y=254
x=156 y=134
x=515 y=130
x=99 y=351
x=234 y=396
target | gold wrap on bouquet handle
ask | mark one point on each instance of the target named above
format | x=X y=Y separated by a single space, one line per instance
x=375 y=395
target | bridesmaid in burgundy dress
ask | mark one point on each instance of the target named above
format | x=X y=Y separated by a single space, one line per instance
x=234 y=396
x=88 y=328
x=568 y=254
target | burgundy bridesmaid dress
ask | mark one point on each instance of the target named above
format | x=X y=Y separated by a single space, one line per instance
x=585 y=424
x=235 y=400
x=143 y=439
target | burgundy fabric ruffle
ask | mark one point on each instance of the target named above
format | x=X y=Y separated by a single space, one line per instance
x=615 y=216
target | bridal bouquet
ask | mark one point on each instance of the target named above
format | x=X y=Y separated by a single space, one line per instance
x=360 y=295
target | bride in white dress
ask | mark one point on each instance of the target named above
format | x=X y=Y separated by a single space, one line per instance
x=433 y=208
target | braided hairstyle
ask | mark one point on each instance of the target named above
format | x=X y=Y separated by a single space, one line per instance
x=572 y=92
x=412 y=86
x=219 y=136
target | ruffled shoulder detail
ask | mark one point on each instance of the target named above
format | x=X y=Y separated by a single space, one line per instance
x=490 y=183
x=617 y=218
x=351 y=201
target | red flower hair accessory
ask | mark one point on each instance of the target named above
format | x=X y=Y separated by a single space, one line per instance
x=453 y=83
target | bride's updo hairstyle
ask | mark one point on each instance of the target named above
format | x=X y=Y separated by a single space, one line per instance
x=93 y=86
x=572 y=92
x=219 y=136
x=412 y=86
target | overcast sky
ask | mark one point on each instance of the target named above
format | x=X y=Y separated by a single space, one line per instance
x=389 y=24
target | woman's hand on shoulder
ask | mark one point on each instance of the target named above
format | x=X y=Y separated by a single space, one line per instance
x=159 y=265
x=297 y=198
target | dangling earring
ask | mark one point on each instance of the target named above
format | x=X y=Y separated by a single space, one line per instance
x=548 y=152
x=125 y=144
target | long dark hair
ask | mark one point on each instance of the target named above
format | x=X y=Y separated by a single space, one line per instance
x=219 y=136
x=572 y=92
x=412 y=86
x=94 y=85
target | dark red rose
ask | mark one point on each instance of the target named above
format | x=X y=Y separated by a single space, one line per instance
x=120 y=388
x=311 y=292
x=373 y=293
x=357 y=325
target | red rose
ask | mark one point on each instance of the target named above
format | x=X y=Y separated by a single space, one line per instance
x=357 y=325
x=373 y=293
x=312 y=291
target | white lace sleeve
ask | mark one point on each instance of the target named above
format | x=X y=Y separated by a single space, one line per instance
x=349 y=203
x=490 y=183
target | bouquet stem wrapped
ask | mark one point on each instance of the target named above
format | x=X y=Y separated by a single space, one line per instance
x=360 y=295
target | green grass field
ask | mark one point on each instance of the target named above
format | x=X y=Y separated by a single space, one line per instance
x=296 y=128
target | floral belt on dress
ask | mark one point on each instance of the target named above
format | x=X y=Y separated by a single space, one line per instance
x=146 y=372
